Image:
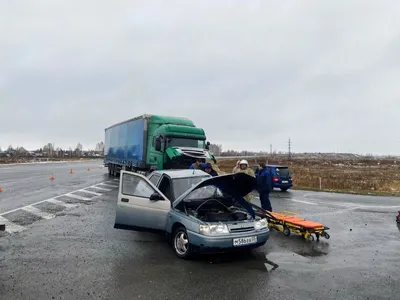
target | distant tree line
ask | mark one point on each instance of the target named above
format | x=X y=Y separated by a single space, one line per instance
x=218 y=151
x=49 y=150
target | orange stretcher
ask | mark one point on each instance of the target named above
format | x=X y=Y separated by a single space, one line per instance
x=290 y=222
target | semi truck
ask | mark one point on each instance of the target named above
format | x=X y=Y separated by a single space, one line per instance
x=153 y=142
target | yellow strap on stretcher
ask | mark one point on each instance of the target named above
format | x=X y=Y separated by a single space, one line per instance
x=290 y=213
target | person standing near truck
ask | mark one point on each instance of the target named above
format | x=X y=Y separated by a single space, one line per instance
x=196 y=164
x=243 y=167
x=264 y=186
x=207 y=167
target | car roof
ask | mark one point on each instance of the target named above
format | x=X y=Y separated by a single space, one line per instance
x=182 y=173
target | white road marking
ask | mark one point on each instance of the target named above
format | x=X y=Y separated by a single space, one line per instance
x=38 y=212
x=99 y=188
x=16 y=209
x=303 y=201
x=10 y=226
x=90 y=192
x=75 y=197
x=61 y=203
x=110 y=185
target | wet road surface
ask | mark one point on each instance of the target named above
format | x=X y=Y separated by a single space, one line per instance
x=77 y=254
x=25 y=184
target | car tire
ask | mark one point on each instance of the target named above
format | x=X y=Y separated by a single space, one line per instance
x=284 y=189
x=181 y=244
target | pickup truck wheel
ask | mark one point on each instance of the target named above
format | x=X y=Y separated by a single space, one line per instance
x=180 y=242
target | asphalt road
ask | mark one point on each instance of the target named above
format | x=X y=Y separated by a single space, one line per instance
x=75 y=253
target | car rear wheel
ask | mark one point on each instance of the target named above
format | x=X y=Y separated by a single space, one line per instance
x=181 y=243
x=284 y=189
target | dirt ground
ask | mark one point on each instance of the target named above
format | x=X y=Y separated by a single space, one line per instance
x=361 y=176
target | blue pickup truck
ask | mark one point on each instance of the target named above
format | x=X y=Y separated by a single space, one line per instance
x=281 y=177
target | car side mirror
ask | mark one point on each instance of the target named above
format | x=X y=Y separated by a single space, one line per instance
x=156 y=196
x=157 y=145
x=208 y=145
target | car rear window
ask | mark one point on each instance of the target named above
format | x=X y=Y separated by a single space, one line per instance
x=282 y=171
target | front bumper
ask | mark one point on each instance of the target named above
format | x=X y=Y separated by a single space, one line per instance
x=203 y=243
x=283 y=185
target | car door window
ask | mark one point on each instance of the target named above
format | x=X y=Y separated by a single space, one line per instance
x=165 y=187
x=135 y=186
x=154 y=179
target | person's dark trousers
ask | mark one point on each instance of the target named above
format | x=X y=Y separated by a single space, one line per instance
x=265 y=202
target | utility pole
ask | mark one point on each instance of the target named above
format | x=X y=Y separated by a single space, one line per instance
x=290 y=149
x=270 y=149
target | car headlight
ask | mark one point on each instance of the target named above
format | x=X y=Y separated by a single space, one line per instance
x=261 y=224
x=214 y=229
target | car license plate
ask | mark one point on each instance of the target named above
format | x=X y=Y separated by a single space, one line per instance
x=285 y=181
x=244 y=241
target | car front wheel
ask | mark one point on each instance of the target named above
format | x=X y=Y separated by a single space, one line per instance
x=181 y=243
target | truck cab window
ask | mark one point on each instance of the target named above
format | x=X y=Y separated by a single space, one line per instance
x=182 y=142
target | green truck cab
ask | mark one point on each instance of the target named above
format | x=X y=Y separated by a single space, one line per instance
x=153 y=142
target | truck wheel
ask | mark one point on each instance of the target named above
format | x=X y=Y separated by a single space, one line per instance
x=180 y=242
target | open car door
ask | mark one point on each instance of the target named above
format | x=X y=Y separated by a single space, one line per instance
x=140 y=206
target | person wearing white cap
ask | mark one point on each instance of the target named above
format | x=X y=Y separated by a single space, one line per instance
x=243 y=167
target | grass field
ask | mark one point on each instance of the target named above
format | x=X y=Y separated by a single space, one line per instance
x=361 y=176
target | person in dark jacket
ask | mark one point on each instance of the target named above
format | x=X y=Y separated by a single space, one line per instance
x=264 y=186
x=207 y=167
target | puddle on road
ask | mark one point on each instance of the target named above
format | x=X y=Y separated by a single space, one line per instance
x=311 y=253
x=291 y=261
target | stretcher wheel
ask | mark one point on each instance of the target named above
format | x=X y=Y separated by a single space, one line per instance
x=310 y=238
x=327 y=236
x=286 y=231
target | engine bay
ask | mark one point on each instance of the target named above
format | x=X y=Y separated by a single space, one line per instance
x=213 y=210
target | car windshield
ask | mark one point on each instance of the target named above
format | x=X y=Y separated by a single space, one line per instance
x=205 y=192
x=181 y=185
x=283 y=172
x=182 y=142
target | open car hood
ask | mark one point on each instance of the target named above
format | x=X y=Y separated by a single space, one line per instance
x=237 y=185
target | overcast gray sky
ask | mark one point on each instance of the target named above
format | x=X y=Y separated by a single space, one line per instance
x=251 y=73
